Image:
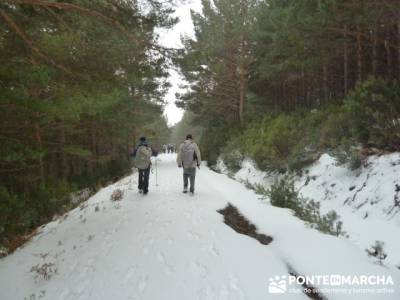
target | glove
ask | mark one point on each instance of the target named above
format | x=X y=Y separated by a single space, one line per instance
x=179 y=166
x=198 y=166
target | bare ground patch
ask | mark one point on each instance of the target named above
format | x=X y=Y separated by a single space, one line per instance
x=240 y=224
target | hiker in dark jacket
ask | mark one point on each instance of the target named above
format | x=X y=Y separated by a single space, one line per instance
x=188 y=158
x=142 y=160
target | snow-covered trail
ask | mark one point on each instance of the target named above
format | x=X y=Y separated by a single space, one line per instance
x=169 y=245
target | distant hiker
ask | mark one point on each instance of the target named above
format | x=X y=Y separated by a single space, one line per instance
x=142 y=160
x=170 y=148
x=188 y=158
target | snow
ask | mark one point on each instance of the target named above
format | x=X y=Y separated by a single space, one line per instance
x=249 y=173
x=169 y=245
x=367 y=218
x=371 y=216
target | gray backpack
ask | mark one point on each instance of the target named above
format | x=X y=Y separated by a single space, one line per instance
x=143 y=157
x=188 y=155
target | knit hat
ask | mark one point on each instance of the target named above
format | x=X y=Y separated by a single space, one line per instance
x=189 y=137
x=143 y=141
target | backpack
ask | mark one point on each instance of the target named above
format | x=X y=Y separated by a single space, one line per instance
x=188 y=155
x=143 y=157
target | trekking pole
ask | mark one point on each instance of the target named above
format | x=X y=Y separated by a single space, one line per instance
x=156 y=172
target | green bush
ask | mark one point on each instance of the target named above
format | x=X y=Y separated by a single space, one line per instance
x=356 y=160
x=377 y=251
x=280 y=140
x=330 y=224
x=232 y=153
x=233 y=159
x=347 y=154
x=308 y=210
x=11 y=210
x=283 y=194
x=269 y=143
x=214 y=140
x=50 y=197
x=20 y=213
x=335 y=130
x=373 y=111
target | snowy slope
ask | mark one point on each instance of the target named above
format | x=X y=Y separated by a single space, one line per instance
x=168 y=245
x=364 y=199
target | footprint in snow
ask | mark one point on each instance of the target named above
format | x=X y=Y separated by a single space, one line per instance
x=233 y=282
x=234 y=285
x=65 y=294
x=167 y=223
x=73 y=266
x=193 y=235
x=81 y=287
x=211 y=249
x=145 y=251
x=131 y=272
x=224 y=293
x=139 y=237
x=207 y=293
x=198 y=269
x=167 y=268
x=142 y=284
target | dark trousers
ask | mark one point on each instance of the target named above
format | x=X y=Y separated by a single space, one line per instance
x=144 y=179
x=189 y=174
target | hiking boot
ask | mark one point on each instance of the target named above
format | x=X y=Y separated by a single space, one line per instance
x=145 y=192
x=191 y=193
x=140 y=191
x=185 y=190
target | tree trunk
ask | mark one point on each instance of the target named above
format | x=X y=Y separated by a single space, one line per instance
x=63 y=160
x=302 y=87
x=242 y=77
x=398 y=50
x=359 y=57
x=374 y=53
x=242 y=96
x=284 y=96
x=308 y=92
x=389 y=63
x=345 y=63
x=325 y=82
x=93 y=142
x=39 y=143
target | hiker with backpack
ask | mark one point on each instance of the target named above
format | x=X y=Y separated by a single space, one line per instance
x=188 y=158
x=142 y=160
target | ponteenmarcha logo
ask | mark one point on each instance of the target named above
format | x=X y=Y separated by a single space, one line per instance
x=277 y=284
x=280 y=284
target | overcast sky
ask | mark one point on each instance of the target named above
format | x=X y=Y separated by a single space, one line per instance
x=171 y=38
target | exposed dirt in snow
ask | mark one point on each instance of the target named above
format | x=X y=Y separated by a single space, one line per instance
x=240 y=224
